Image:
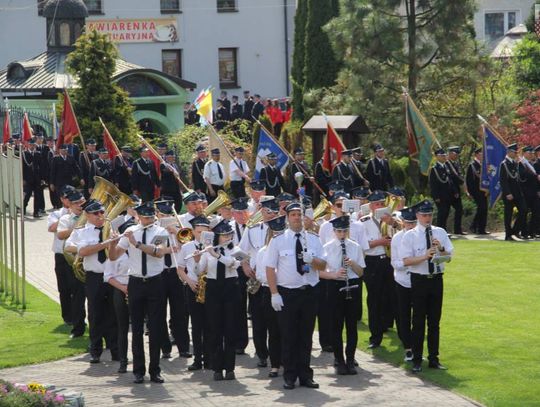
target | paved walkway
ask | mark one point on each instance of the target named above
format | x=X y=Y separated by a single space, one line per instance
x=377 y=384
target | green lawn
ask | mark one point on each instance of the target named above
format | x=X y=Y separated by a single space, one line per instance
x=490 y=328
x=36 y=334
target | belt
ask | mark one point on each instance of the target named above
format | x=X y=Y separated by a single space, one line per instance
x=378 y=256
x=427 y=276
x=93 y=272
x=302 y=288
x=145 y=279
x=169 y=269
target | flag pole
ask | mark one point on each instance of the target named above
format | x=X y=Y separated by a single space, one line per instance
x=495 y=132
x=309 y=177
x=85 y=152
x=114 y=142
x=225 y=147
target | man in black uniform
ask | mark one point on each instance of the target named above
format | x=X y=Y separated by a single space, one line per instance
x=378 y=171
x=122 y=170
x=222 y=116
x=100 y=167
x=169 y=184
x=472 y=180
x=298 y=162
x=358 y=168
x=511 y=193
x=529 y=187
x=42 y=149
x=343 y=171
x=248 y=106
x=359 y=160
x=144 y=177
x=86 y=166
x=258 y=107
x=236 y=109
x=64 y=170
x=32 y=178
x=322 y=177
x=536 y=166
x=456 y=175
x=192 y=117
x=441 y=187
x=197 y=169
x=226 y=103
x=272 y=177
x=54 y=198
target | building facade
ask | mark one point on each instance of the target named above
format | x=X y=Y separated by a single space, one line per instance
x=231 y=45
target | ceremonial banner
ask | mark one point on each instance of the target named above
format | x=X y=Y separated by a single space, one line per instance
x=137 y=30
x=225 y=157
x=109 y=143
x=27 y=132
x=420 y=136
x=493 y=153
x=203 y=103
x=69 y=126
x=332 y=148
x=268 y=145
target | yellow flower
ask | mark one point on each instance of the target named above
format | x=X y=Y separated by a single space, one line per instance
x=36 y=388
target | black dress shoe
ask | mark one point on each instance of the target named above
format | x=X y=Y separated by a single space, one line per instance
x=218 y=376
x=437 y=365
x=355 y=363
x=75 y=335
x=351 y=369
x=327 y=348
x=166 y=356
x=194 y=366
x=240 y=352
x=186 y=355
x=310 y=384
x=461 y=233
x=230 y=376
x=157 y=379
x=262 y=363
x=94 y=359
x=484 y=233
x=139 y=378
x=417 y=368
x=373 y=345
x=115 y=357
x=123 y=367
x=288 y=385
x=341 y=369
x=273 y=374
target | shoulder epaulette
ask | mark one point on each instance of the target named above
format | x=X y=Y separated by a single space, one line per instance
x=365 y=218
x=311 y=232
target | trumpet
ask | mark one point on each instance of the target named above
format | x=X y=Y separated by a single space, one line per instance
x=347 y=287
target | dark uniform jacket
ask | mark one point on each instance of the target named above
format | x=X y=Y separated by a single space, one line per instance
x=258 y=109
x=273 y=179
x=102 y=169
x=222 y=116
x=528 y=181
x=472 y=178
x=236 y=111
x=64 y=171
x=197 y=170
x=509 y=178
x=32 y=169
x=440 y=183
x=122 y=174
x=248 y=109
x=144 y=178
x=358 y=172
x=454 y=170
x=378 y=174
x=169 y=184
x=322 y=177
x=343 y=172
x=85 y=166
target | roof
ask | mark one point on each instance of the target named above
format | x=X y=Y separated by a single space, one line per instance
x=355 y=124
x=65 y=9
x=46 y=72
x=505 y=47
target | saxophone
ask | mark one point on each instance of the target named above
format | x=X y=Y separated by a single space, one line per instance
x=200 y=297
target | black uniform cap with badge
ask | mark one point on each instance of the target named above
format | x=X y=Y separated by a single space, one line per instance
x=191 y=197
x=257 y=185
x=93 y=206
x=74 y=195
x=200 y=221
x=293 y=206
x=66 y=189
x=146 y=210
x=285 y=197
x=377 y=196
x=164 y=205
x=378 y=147
x=512 y=147
x=136 y=200
x=299 y=151
x=278 y=224
x=341 y=223
x=360 y=193
x=527 y=149
x=215 y=151
x=340 y=195
x=424 y=208
x=271 y=156
x=239 y=149
x=270 y=203
x=223 y=228
x=396 y=191
x=335 y=186
x=200 y=148
x=408 y=214
x=346 y=153
x=440 y=151
x=240 y=204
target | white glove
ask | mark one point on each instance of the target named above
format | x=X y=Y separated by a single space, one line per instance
x=277 y=302
x=307 y=257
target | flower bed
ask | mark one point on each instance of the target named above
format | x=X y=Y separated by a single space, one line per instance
x=35 y=395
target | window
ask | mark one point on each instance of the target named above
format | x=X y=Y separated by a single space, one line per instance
x=171 y=62
x=138 y=86
x=228 y=77
x=170 y=6
x=94 y=6
x=226 y=5
x=40 y=5
x=65 y=39
x=496 y=24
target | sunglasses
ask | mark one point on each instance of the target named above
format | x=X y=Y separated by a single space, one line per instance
x=98 y=213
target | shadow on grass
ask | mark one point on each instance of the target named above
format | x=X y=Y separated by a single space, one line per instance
x=8 y=304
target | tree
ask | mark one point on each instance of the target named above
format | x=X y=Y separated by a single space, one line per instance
x=299 y=56
x=528 y=120
x=529 y=22
x=93 y=63
x=526 y=64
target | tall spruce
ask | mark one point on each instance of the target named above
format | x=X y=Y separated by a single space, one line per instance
x=93 y=64
x=299 y=55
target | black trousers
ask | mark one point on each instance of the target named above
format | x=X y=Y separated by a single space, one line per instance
x=176 y=196
x=378 y=293
x=404 y=315
x=296 y=323
x=272 y=324
x=532 y=214
x=324 y=315
x=258 y=324
x=344 y=314
x=238 y=189
x=443 y=210
x=426 y=297
x=519 y=225
x=173 y=290
x=216 y=188
x=121 y=310
x=222 y=298
x=63 y=281
x=55 y=200
x=199 y=329
x=101 y=317
x=458 y=213
x=39 y=200
x=146 y=297
x=242 y=335
x=78 y=301
x=480 y=216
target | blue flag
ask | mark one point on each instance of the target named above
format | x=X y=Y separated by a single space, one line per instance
x=267 y=145
x=494 y=152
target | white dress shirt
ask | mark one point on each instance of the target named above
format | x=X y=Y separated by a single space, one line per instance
x=373 y=232
x=253 y=239
x=211 y=172
x=334 y=256
x=234 y=169
x=239 y=231
x=58 y=245
x=154 y=265
x=117 y=269
x=258 y=264
x=184 y=220
x=401 y=273
x=191 y=267
x=210 y=265
x=414 y=244
x=281 y=255
x=87 y=236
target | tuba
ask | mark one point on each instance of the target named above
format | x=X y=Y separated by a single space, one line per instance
x=221 y=200
x=322 y=209
x=255 y=218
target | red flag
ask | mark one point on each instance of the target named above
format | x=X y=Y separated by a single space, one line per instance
x=333 y=148
x=109 y=143
x=156 y=159
x=27 y=132
x=7 y=128
x=69 y=127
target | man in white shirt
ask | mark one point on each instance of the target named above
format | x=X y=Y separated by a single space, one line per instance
x=144 y=244
x=192 y=203
x=418 y=247
x=293 y=260
x=214 y=175
x=239 y=173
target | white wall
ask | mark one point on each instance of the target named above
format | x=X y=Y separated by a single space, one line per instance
x=522 y=7
x=257 y=30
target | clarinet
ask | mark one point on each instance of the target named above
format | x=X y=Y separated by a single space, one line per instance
x=347 y=288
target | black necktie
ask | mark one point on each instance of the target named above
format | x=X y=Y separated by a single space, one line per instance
x=299 y=255
x=101 y=254
x=221 y=267
x=168 y=260
x=144 y=270
x=241 y=166
x=238 y=232
x=219 y=171
x=431 y=266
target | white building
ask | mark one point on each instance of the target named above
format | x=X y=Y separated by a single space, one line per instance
x=232 y=45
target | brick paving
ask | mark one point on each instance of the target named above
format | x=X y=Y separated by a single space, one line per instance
x=377 y=384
